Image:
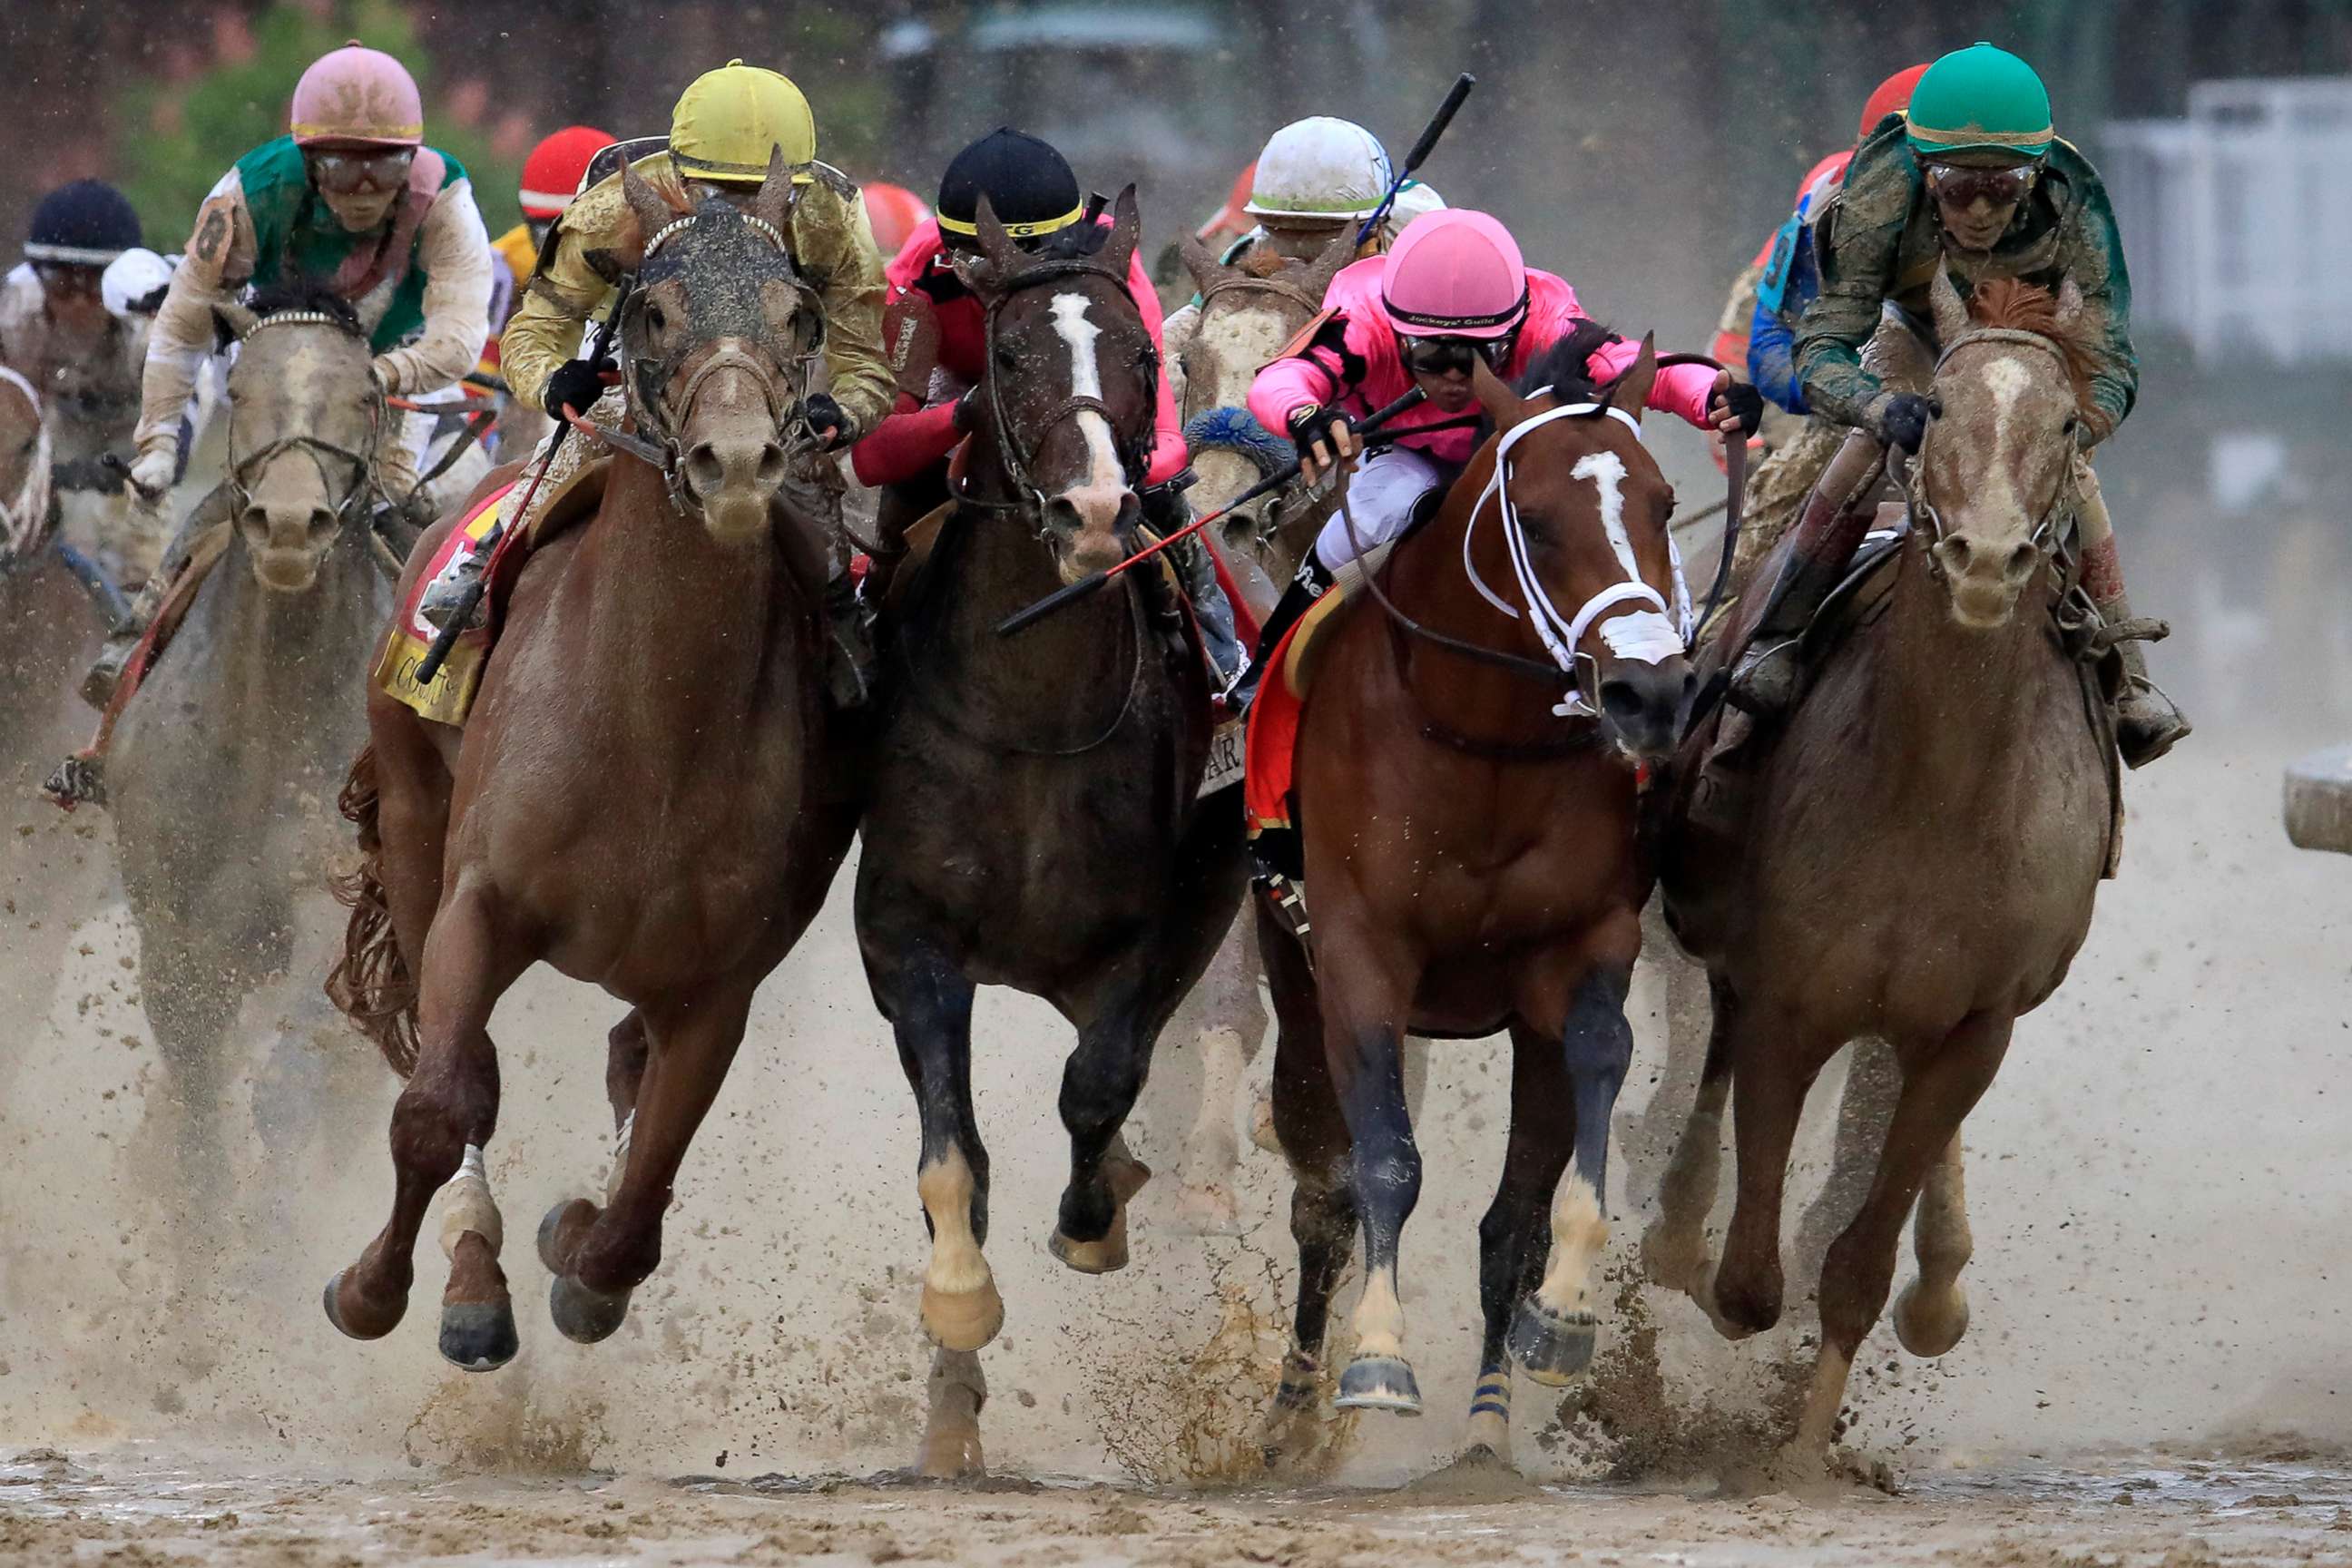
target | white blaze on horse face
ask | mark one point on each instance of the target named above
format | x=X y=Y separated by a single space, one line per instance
x=1643 y=636
x=2008 y=382
x=1098 y=499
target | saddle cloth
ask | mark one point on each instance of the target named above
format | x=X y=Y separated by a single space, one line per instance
x=1273 y=740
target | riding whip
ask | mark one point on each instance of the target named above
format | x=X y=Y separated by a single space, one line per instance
x=1062 y=597
x=1419 y=154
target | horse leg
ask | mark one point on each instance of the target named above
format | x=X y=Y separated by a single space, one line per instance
x=1512 y=1242
x=1941 y=1084
x=1553 y=1334
x=1865 y=1104
x=1314 y=1138
x=1932 y=1313
x=1100 y=1084
x=1221 y=1015
x=1366 y=989
x=599 y=1255
x=955 y=1392
x=1674 y=1250
x=1771 y=1074
x=192 y=1006
x=449 y=1108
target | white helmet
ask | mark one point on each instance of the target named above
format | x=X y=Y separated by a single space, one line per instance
x=130 y=278
x=1415 y=200
x=1319 y=169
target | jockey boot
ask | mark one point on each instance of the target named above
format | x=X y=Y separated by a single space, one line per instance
x=849 y=657
x=2148 y=722
x=1211 y=609
x=1295 y=601
x=123 y=640
x=1765 y=677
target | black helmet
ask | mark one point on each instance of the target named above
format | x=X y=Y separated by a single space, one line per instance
x=86 y=224
x=1029 y=186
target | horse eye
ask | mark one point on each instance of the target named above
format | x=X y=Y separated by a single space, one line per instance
x=655 y=318
x=2071 y=425
x=1935 y=409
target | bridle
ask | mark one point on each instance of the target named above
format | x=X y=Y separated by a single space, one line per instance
x=1918 y=508
x=1020 y=465
x=1246 y=283
x=242 y=467
x=1236 y=429
x=24 y=516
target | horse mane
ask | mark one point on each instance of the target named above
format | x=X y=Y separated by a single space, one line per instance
x=2025 y=307
x=1566 y=367
x=310 y=294
x=1265 y=261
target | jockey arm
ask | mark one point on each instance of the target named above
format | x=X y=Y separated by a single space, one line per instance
x=834 y=244
x=1168 y=424
x=1680 y=389
x=1858 y=242
x=1771 y=361
x=454 y=249
x=219 y=262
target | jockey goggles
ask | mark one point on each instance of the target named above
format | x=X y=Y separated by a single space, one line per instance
x=347 y=174
x=1963 y=187
x=1445 y=357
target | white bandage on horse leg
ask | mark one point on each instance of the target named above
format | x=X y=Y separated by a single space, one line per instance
x=466 y=1205
x=620 y=1157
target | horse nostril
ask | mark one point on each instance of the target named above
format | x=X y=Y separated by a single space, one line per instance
x=704 y=472
x=1062 y=513
x=1956 y=552
x=1622 y=701
x=772 y=470
x=2021 y=562
x=322 y=521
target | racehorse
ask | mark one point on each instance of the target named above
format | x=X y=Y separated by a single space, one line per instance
x=1031 y=816
x=1923 y=847
x=632 y=798
x=1465 y=782
x=223 y=759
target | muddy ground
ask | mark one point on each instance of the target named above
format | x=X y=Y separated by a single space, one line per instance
x=2157 y=1369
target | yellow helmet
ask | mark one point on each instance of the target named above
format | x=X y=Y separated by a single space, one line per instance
x=727 y=120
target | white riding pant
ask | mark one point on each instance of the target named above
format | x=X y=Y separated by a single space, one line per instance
x=1380 y=497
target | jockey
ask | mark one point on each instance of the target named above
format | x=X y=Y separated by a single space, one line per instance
x=1316 y=178
x=353 y=197
x=936 y=328
x=1974 y=180
x=1454 y=290
x=552 y=175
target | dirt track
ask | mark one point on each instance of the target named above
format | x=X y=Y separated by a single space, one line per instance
x=2158 y=1184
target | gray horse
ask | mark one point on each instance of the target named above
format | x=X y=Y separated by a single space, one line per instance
x=224 y=765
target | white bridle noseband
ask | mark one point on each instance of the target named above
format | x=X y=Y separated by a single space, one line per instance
x=1643 y=635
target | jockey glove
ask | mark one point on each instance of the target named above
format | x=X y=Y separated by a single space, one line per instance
x=575 y=381
x=1742 y=399
x=1903 y=421
x=1310 y=425
x=824 y=415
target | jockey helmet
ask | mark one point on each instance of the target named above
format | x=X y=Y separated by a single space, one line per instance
x=1321 y=169
x=1981 y=102
x=1456 y=273
x=1414 y=200
x=1887 y=98
x=553 y=174
x=1030 y=188
x=133 y=282
x=86 y=224
x=1233 y=217
x=730 y=122
x=895 y=212
x=357 y=97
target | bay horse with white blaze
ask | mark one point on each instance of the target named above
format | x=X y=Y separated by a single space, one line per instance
x=632 y=799
x=1031 y=817
x=1466 y=784
x=1923 y=846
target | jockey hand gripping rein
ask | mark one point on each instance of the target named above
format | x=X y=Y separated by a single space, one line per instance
x=1061 y=598
x=600 y=344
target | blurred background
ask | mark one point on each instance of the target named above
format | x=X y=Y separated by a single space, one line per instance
x=1642 y=151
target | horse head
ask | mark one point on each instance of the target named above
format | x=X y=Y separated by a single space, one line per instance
x=1994 y=474
x=23 y=471
x=305 y=415
x=1069 y=393
x=1248 y=314
x=718 y=337
x=1584 y=512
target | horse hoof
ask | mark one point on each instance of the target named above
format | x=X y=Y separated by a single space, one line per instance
x=582 y=1315
x=550 y=1232
x=1262 y=1132
x=1106 y=1256
x=359 y=1325
x=1552 y=1349
x=1378 y=1382
x=479 y=1336
x=1674 y=1259
x=1208 y=1209
x=963 y=1319
x=951 y=1457
x=1929 y=1328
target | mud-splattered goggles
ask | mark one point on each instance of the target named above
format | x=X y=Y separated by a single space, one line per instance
x=1962 y=186
x=1445 y=357
x=344 y=174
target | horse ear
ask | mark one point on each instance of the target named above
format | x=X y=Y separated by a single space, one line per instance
x=1504 y=407
x=1126 y=229
x=1951 y=315
x=773 y=204
x=646 y=206
x=996 y=247
x=2070 y=302
x=1631 y=391
x=1327 y=266
x=231 y=322
x=1205 y=268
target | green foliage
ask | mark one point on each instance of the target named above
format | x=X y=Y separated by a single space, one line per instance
x=174 y=140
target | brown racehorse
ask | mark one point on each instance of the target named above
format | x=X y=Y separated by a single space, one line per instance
x=1920 y=865
x=1471 y=864
x=631 y=799
x=1032 y=818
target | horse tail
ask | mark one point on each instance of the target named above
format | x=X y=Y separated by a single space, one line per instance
x=371 y=982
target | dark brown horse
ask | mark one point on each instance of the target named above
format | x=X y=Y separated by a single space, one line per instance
x=1924 y=845
x=1032 y=819
x=1466 y=789
x=632 y=799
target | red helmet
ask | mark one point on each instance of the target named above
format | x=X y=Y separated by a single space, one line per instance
x=895 y=214
x=1230 y=219
x=1888 y=96
x=551 y=174
x=357 y=97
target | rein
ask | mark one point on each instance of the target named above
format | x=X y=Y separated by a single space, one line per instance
x=1244 y=283
x=364 y=483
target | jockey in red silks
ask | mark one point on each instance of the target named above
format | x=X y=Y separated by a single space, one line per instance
x=934 y=330
x=1455 y=289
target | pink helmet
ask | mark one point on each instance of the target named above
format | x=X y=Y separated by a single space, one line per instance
x=358 y=96
x=1457 y=274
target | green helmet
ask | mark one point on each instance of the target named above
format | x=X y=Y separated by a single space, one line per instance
x=1980 y=99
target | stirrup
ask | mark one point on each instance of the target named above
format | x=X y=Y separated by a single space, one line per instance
x=446 y=594
x=1764 y=682
x=79 y=780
